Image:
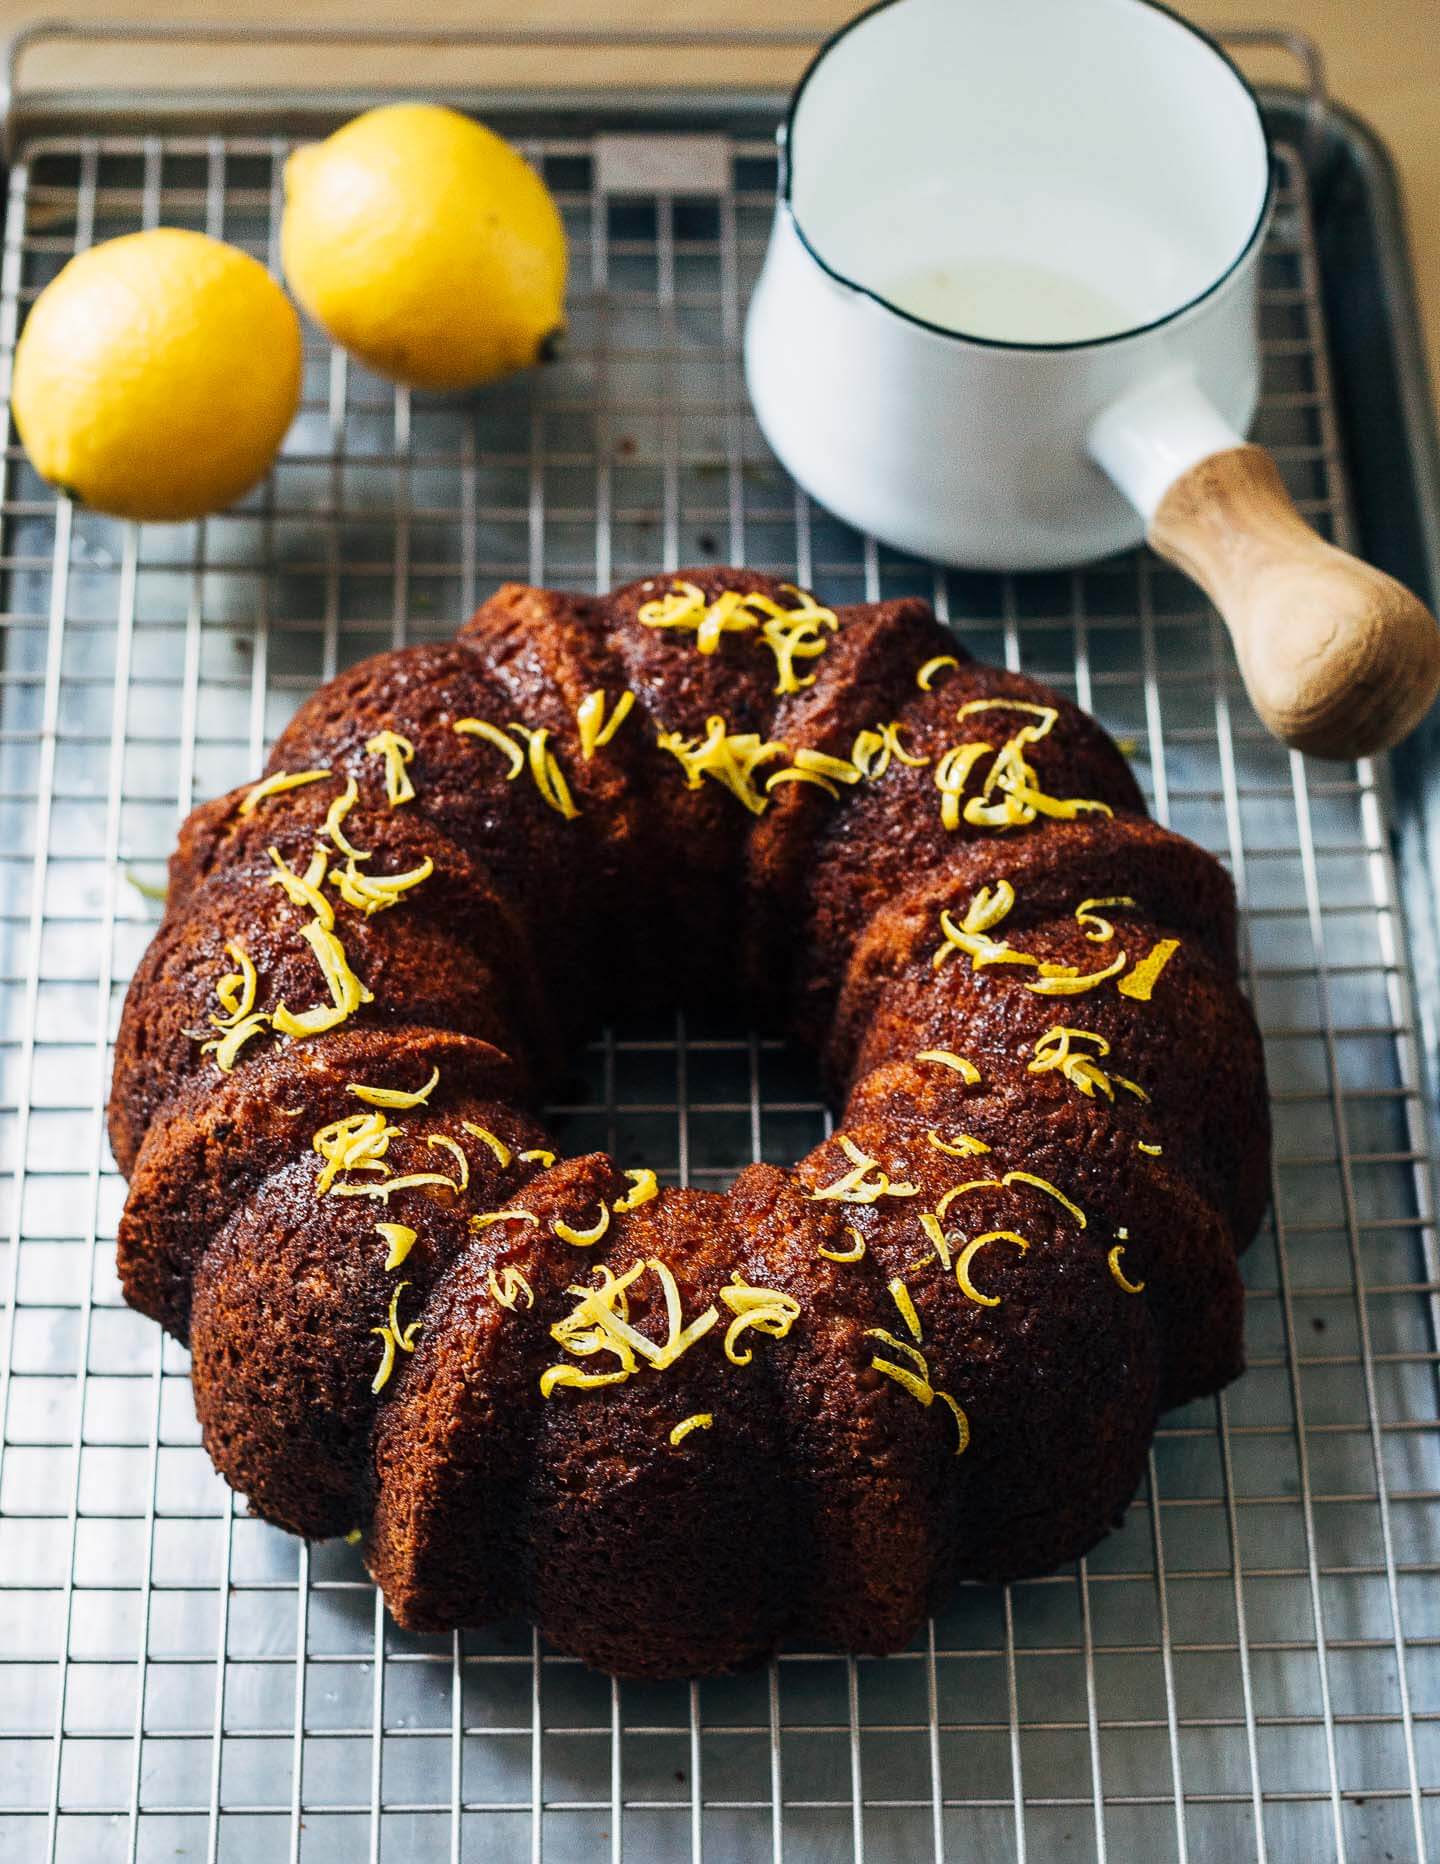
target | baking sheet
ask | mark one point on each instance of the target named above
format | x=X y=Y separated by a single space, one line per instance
x=1248 y=1668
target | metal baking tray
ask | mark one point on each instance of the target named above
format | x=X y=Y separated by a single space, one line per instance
x=1251 y=1666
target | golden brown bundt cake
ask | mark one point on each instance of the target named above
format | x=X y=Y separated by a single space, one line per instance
x=674 y=1427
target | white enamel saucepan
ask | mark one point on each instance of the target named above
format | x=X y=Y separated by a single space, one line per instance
x=1007 y=320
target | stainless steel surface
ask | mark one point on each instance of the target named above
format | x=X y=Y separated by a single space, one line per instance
x=1250 y=1667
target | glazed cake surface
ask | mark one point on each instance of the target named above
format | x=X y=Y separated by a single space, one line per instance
x=673 y=1427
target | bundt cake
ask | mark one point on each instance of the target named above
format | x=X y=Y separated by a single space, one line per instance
x=674 y=1427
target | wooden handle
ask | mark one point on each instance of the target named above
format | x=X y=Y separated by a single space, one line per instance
x=1339 y=659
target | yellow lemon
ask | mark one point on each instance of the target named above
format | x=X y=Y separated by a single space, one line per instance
x=425 y=245
x=156 y=375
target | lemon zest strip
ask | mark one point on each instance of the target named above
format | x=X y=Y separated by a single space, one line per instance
x=972 y=935
x=336 y=815
x=1062 y=980
x=876 y=746
x=791 y=640
x=646 y=1185
x=840 y=769
x=789 y=633
x=946 y=1058
x=410 y=1181
x=1153 y=1151
x=989 y=906
x=492 y=734
x=1046 y=714
x=791 y=775
x=387 y=1359
x=792 y=633
x=856 y=1186
x=358 y=1142
x=702 y=1420
x=397 y=752
x=582 y=1239
x=454 y=1147
x=952 y=773
x=870 y=754
x=226 y=1049
x=918 y=1385
x=395 y=1336
x=403 y=1337
x=959 y=1190
x=684 y=607
x=679 y=1338
x=401 y=1240
x=148 y=889
x=241 y=1020
x=891 y=735
x=276 y=786
x=538 y=1155
x=595 y=729
x=347 y=993
x=1099 y=930
x=1008 y=772
x=497 y=1145
x=918 y=1388
x=600 y=1322
x=900 y=1295
x=484 y=1221
x=1058 y=808
x=510 y=1286
x=1050 y=1190
x=1056 y=1051
x=819 y=768
x=236 y=989
x=1130 y=1287
x=396 y=1097
x=897 y=1345
x=1021 y=798
x=372 y=893
x=962 y=1146
x=767 y=1310
x=727 y=758
x=930 y=1224
x=573 y=1375
x=545 y=770
x=925 y=678
x=962 y=1422
x=968 y=1255
x=844 y=1255
x=304 y=889
x=1143 y=978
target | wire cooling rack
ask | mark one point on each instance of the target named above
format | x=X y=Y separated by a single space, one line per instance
x=1248 y=1668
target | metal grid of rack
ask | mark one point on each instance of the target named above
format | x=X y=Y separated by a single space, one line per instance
x=1249 y=1667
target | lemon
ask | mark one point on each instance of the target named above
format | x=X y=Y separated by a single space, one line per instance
x=156 y=375
x=426 y=245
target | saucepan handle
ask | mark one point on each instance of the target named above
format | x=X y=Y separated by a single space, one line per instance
x=1339 y=659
